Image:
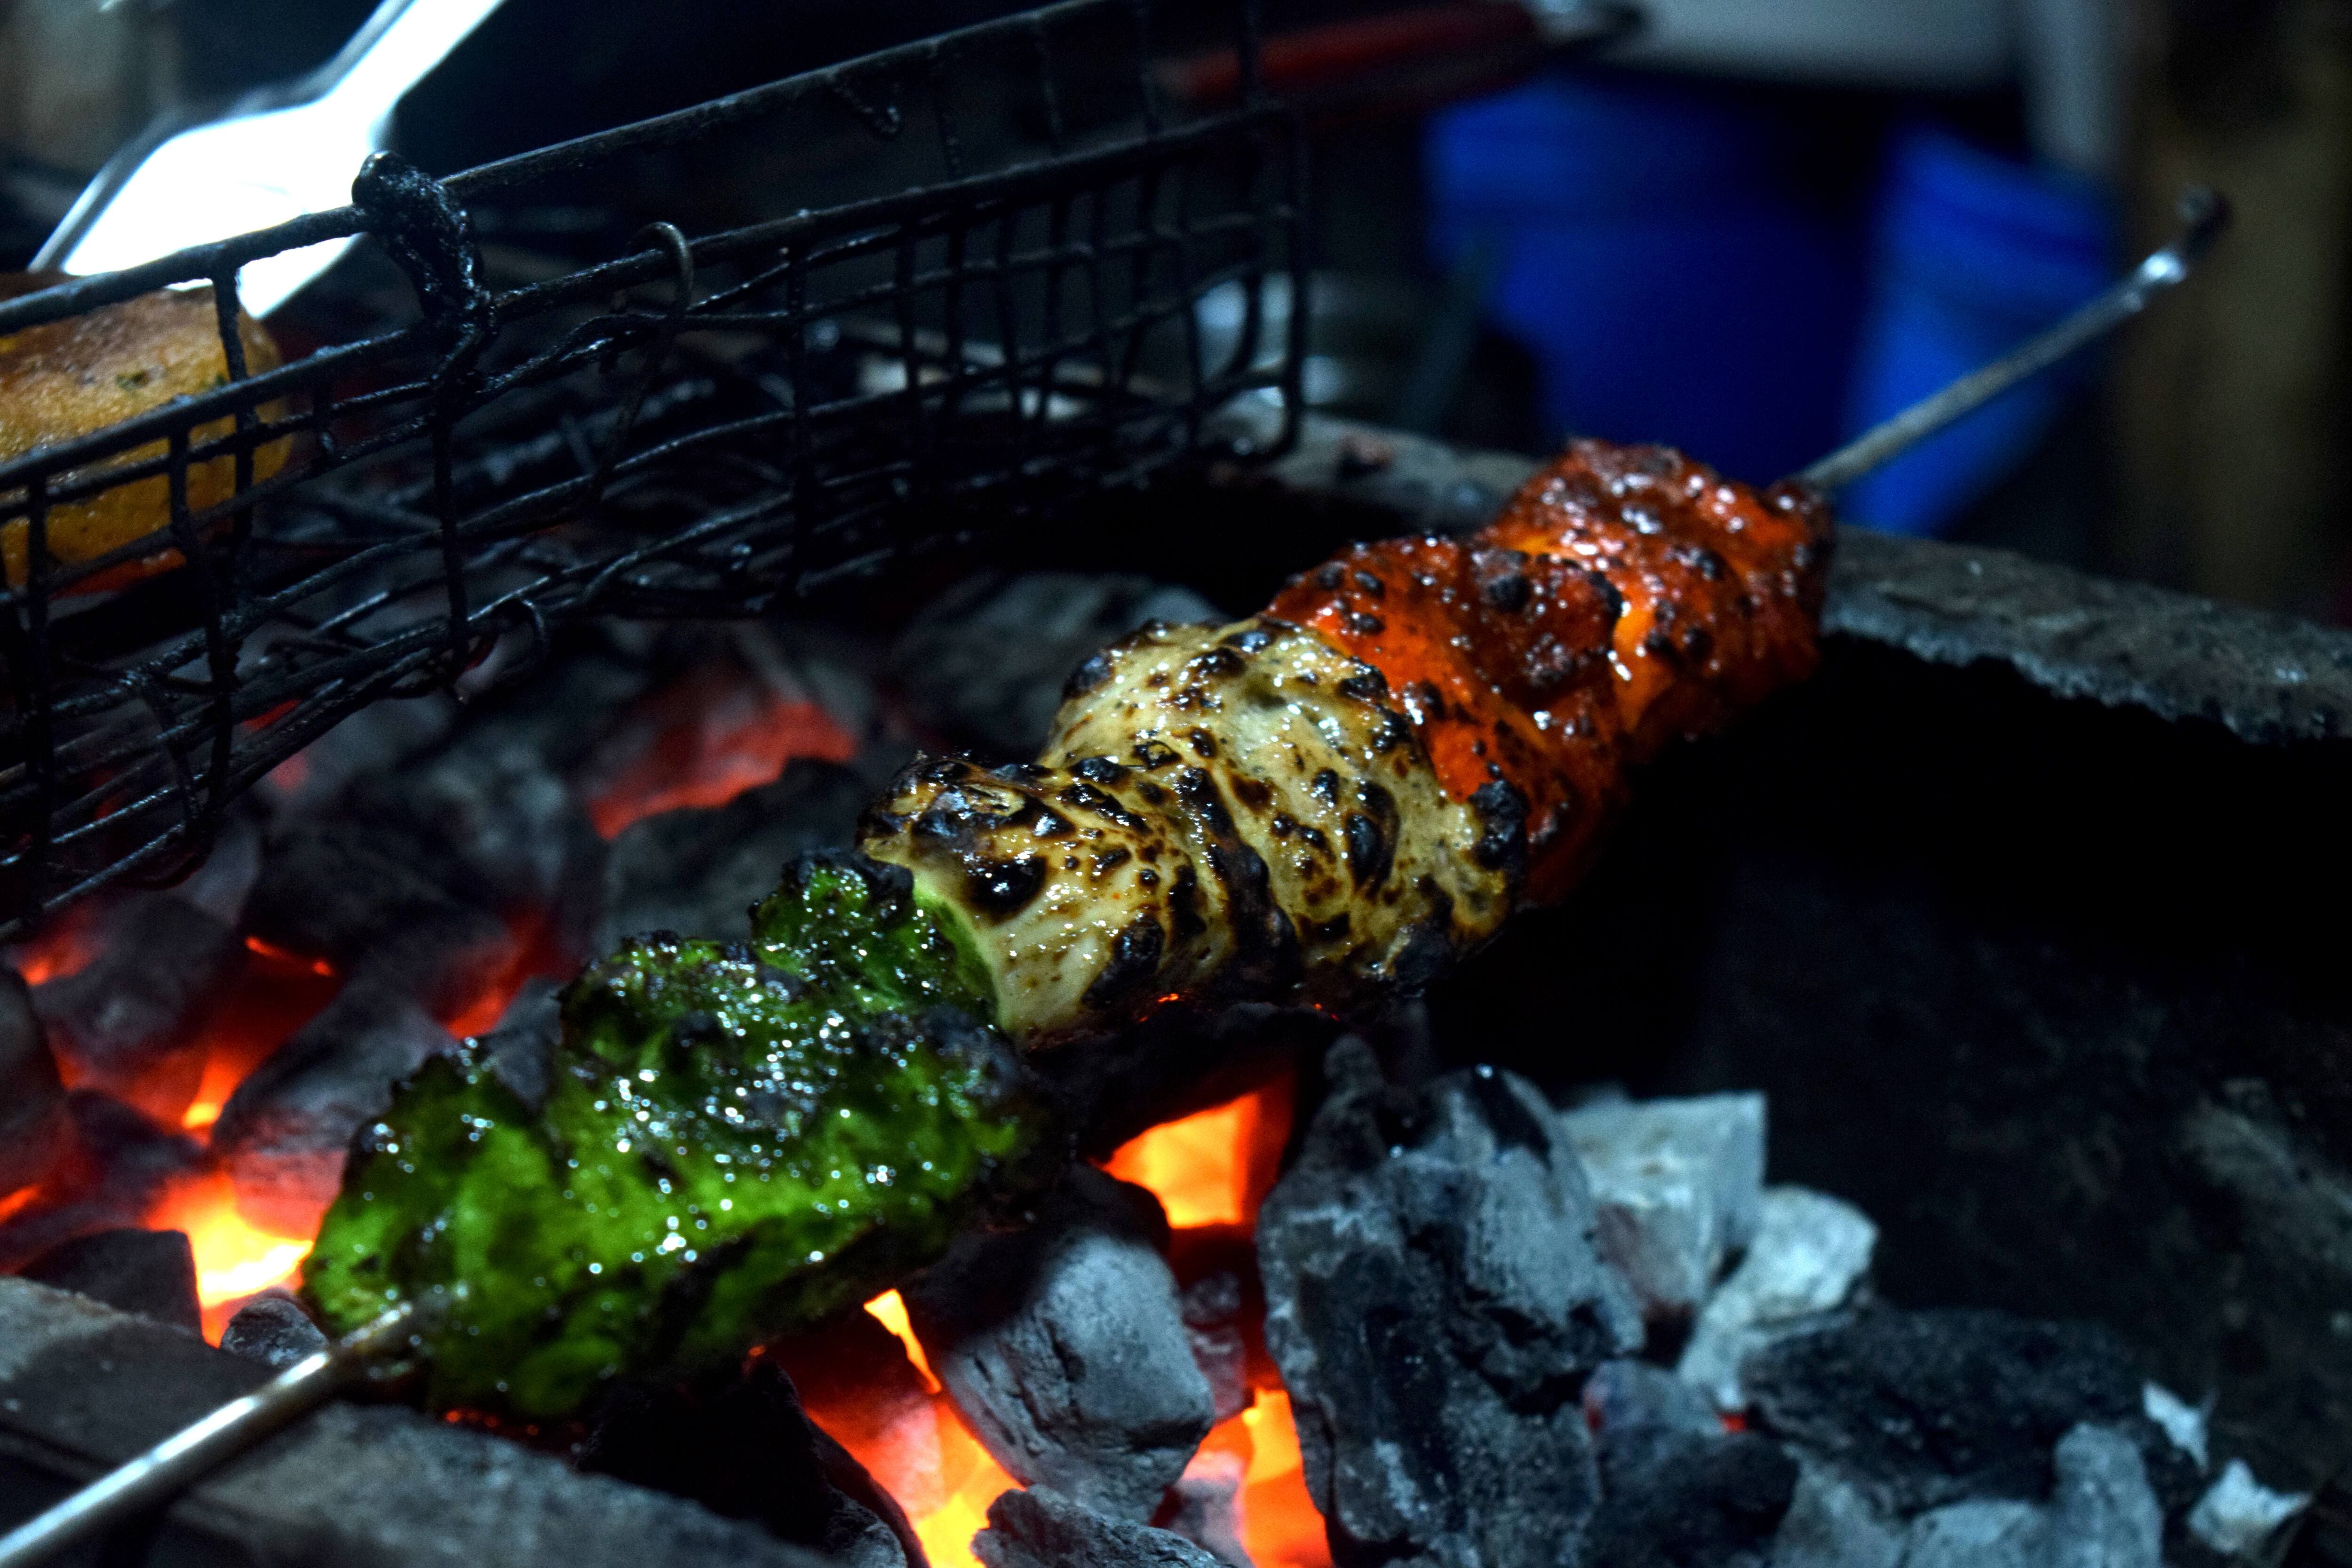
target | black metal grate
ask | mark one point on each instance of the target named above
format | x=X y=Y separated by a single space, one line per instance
x=710 y=425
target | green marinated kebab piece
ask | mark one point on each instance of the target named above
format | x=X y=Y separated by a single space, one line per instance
x=736 y=1139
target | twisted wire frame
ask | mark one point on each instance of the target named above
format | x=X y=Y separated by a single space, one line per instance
x=713 y=424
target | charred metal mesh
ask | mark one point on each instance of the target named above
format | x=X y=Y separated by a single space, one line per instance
x=710 y=425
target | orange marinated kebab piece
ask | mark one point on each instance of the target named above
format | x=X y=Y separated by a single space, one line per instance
x=1626 y=595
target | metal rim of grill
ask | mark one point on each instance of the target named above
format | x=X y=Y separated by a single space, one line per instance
x=496 y=467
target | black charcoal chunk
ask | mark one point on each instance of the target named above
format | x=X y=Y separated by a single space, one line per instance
x=1678 y=1185
x=34 y=1128
x=83 y=1387
x=150 y=1272
x=1435 y=1302
x=2103 y=1512
x=273 y=1329
x=1811 y=1255
x=1626 y=1394
x=1926 y=1408
x=127 y=1023
x=985 y=663
x=1675 y=1498
x=695 y=871
x=1064 y=1346
x=745 y=1449
x=284 y=1132
x=1041 y=1529
x=115 y=1170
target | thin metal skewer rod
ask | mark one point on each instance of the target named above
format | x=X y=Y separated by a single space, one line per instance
x=2203 y=215
x=168 y=1467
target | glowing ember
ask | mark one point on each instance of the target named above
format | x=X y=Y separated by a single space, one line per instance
x=235 y=1260
x=890 y=1309
x=1215 y=1166
x=712 y=741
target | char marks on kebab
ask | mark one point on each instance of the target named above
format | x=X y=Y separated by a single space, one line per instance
x=1326 y=805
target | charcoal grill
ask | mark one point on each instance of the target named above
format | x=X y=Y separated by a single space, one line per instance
x=505 y=461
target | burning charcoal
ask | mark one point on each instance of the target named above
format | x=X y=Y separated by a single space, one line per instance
x=2238 y=1515
x=284 y=1132
x=33 y=1131
x=116 y=1169
x=1436 y=1301
x=1981 y=1532
x=275 y=1330
x=361 y=897
x=1204 y=1506
x=1810 y=1253
x=1674 y=1499
x=1832 y=1524
x=151 y=1272
x=127 y=1023
x=985 y=662
x=1065 y=1349
x=2103 y=1513
x=1926 y=1408
x=746 y=1450
x=81 y=1384
x=1043 y=1529
x=1625 y=1393
x=379 y=738
x=1211 y=1309
x=695 y=870
x=1678 y=1185
x=522 y=1045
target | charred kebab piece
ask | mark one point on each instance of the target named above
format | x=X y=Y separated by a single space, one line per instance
x=1326 y=805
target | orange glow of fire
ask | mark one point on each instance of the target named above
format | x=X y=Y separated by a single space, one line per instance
x=1211 y=1169
x=235 y=1259
x=890 y=1309
x=712 y=747
x=1215 y=1166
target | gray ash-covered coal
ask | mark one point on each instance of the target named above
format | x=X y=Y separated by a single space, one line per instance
x=1437 y=1302
x=273 y=1330
x=1041 y=1529
x=1065 y=1347
x=695 y=871
x=150 y=1272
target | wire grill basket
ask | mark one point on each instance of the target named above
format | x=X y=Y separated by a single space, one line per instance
x=711 y=424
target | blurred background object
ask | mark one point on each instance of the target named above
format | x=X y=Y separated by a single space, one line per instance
x=2231 y=411
x=1751 y=230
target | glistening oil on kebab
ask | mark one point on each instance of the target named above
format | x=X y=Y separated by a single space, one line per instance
x=740 y=1138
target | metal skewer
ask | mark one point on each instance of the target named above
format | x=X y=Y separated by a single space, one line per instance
x=179 y=1460
x=2203 y=215
x=152 y=1477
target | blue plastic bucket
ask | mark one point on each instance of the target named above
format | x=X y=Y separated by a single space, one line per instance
x=1974 y=253
x=1663 y=259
